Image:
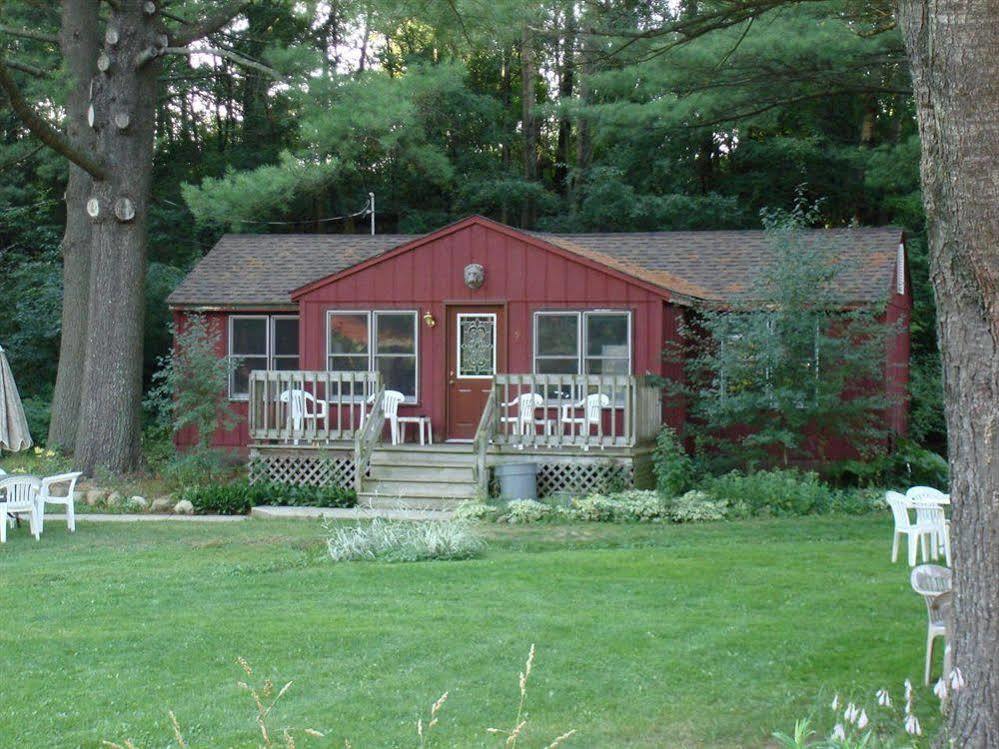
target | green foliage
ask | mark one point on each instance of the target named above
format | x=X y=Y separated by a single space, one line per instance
x=696 y=506
x=777 y=493
x=673 y=467
x=908 y=465
x=475 y=511
x=792 y=371
x=191 y=468
x=519 y=511
x=189 y=389
x=403 y=541
x=237 y=497
x=38 y=461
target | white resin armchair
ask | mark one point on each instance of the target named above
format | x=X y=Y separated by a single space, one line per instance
x=904 y=526
x=927 y=494
x=303 y=407
x=593 y=414
x=934 y=584
x=390 y=405
x=19 y=496
x=526 y=421
x=58 y=490
x=936 y=530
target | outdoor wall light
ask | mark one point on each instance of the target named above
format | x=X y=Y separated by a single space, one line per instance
x=429 y=320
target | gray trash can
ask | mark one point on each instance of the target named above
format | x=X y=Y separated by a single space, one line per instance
x=517 y=480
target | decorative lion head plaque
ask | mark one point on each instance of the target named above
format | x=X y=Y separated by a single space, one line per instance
x=475 y=276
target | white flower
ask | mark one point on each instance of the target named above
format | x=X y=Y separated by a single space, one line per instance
x=851 y=713
x=912 y=726
x=835 y=702
x=956 y=679
x=862 y=721
x=884 y=699
x=940 y=689
x=838 y=733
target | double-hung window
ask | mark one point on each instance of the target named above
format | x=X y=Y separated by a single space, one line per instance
x=382 y=341
x=587 y=342
x=260 y=342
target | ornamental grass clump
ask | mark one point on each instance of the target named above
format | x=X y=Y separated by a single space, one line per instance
x=403 y=541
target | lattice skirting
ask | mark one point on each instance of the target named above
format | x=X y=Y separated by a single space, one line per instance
x=579 y=479
x=301 y=468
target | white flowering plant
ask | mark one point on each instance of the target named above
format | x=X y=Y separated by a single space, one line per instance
x=889 y=721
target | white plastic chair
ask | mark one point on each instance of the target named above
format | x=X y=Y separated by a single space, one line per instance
x=927 y=494
x=526 y=421
x=593 y=406
x=64 y=496
x=930 y=517
x=904 y=526
x=934 y=584
x=19 y=496
x=303 y=406
x=390 y=405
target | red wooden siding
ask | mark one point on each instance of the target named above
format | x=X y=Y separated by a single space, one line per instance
x=521 y=276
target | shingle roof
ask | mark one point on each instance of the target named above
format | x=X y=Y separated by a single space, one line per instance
x=262 y=269
x=248 y=270
x=727 y=265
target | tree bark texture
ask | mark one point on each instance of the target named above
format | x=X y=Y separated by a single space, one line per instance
x=110 y=408
x=953 y=48
x=79 y=41
x=528 y=123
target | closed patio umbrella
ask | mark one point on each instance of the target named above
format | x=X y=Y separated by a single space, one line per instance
x=14 y=434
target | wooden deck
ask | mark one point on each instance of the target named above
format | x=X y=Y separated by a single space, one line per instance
x=585 y=432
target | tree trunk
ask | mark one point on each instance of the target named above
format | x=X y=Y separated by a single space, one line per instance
x=527 y=120
x=952 y=46
x=565 y=89
x=78 y=40
x=109 y=428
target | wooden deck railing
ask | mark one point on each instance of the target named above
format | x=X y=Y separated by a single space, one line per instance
x=367 y=436
x=311 y=407
x=570 y=411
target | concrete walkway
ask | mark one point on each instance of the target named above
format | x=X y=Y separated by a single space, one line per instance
x=345 y=513
x=143 y=517
x=264 y=513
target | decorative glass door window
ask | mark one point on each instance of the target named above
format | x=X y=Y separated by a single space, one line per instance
x=476 y=345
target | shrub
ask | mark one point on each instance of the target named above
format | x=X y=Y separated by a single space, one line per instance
x=189 y=388
x=696 y=506
x=403 y=541
x=196 y=467
x=672 y=466
x=858 y=501
x=775 y=492
x=475 y=511
x=634 y=506
x=528 y=511
x=908 y=465
x=237 y=497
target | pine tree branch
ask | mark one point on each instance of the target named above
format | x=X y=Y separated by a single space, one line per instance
x=44 y=131
x=227 y=54
x=208 y=26
x=25 y=68
x=38 y=36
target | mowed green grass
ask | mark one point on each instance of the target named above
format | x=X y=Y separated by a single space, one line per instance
x=647 y=636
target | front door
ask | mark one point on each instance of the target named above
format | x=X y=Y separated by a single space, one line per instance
x=476 y=351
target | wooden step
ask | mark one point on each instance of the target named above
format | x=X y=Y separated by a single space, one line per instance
x=416 y=473
x=376 y=502
x=433 y=489
x=422 y=459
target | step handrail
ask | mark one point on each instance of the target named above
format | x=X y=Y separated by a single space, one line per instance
x=367 y=436
x=483 y=437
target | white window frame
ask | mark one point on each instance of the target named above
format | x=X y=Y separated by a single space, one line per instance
x=372 y=322
x=457 y=345
x=581 y=336
x=268 y=347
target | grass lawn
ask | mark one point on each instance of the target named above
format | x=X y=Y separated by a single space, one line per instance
x=647 y=636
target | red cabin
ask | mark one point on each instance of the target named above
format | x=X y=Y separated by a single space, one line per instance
x=501 y=345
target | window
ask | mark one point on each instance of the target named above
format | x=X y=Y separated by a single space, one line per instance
x=385 y=342
x=260 y=342
x=592 y=342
